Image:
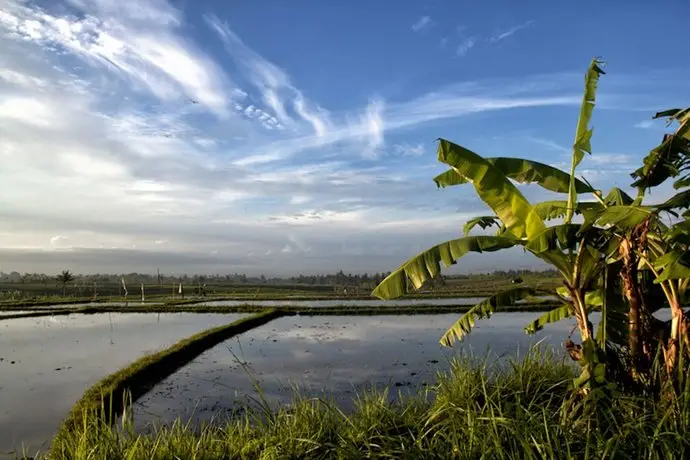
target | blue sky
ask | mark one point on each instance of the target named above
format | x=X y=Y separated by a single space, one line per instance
x=287 y=137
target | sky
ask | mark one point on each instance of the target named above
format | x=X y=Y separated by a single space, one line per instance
x=280 y=138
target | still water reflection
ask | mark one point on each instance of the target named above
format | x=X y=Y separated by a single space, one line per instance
x=47 y=363
x=341 y=354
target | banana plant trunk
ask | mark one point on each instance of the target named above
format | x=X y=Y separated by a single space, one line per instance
x=631 y=291
x=674 y=341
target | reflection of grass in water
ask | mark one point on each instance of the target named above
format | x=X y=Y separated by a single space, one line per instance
x=475 y=410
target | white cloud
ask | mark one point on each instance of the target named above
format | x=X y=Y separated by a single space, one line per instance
x=465 y=46
x=644 y=124
x=611 y=158
x=22 y=80
x=374 y=123
x=411 y=150
x=509 y=32
x=274 y=84
x=300 y=199
x=551 y=145
x=56 y=239
x=422 y=24
x=28 y=110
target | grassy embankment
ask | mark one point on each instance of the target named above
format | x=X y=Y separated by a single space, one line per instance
x=137 y=378
x=522 y=410
x=190 y=307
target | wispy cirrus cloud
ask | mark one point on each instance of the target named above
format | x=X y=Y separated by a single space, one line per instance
x=465 y=46
x=154 y=57
x=410 y=150
x=119 y=128
x=644 y=124
x=502 y=35
x=423 y=24
x=275 y=86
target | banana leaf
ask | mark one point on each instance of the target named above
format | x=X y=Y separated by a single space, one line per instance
x=565 y=311
x=483 y=310
x=583 y=133
x=426 y=265
x=522 y=171
x=680 y=200
x=549 y=210
x=494 y=188
x=624 y=217
x=484 y=222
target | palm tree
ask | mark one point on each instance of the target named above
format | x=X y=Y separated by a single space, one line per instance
x=64 y=278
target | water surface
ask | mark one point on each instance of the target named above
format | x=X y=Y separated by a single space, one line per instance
x=345 y=302
x=46 y=363
x=341 y=354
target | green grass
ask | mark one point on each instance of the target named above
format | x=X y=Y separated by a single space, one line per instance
x=137 y=378
x=521 y=410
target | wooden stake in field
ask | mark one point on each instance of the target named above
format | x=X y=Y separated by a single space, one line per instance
x=143 y=299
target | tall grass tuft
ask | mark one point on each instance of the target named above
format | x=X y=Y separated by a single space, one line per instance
x=519 y=408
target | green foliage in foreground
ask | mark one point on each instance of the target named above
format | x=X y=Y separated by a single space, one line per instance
x=476 y=410
x=624 y=260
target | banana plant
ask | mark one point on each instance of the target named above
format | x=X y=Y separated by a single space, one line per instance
x=622 y=260
x=662 y=251
x=579 y=256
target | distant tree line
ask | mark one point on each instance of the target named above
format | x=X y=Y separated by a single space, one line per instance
x=335 y=279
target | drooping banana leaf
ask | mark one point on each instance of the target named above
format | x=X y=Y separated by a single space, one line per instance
x=662 y=162
x=680 y=200
x=549 y=210
x=494 y=188
x=678 y=233
x=675 y=264
x=528 y=172
x=561 y=261
x=682 y=116
x=484 y=222
x=557 y=237
x=682 y=182
x=482 y=310
x=613 y=326
x=624 y=217
x=565 y=311
x=427 y=265
x=593 y=302
x=591 y=263
x=523 y=171
x=583 y=133
x=617 y=197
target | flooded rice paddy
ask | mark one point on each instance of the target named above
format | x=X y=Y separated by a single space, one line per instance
x=47 y=363
x=341 y=354
x=346 y=302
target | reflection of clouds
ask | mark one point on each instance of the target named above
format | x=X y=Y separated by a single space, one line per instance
x=84 y=349
x=341 y=355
